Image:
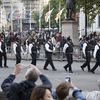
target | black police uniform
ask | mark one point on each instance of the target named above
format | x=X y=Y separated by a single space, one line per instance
x=49 y=56
x=34 y=53
x=18 y=53
x=3 y=54
x=87 y=57
x=97 y=59
x=69 y=56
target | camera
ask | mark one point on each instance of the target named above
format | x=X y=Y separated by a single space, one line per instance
x=68 y=79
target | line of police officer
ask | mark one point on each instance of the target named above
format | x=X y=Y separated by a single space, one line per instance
x=49 y=48
x=87 y=54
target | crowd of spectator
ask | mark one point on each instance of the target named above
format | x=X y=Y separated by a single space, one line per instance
x=28 y=90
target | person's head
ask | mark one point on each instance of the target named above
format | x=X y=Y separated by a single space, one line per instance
x=41 y=92
x=31 y=74
x=2 y=39
x=18 y=40
x=98 y=40
x=87 y=39
x=32 y=40
x=49 y=39
x=62 y=90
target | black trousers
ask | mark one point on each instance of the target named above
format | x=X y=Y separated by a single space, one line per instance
x=95 y=66
x=69 y=60
x=18 y=58
x=5 y=58
x=34 y=58
x=0 y=59
x=49 y=60
x=87 y=62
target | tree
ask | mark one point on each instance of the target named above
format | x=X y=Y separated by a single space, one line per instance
x=53 y=4
x=90 y=7
x=0 y=2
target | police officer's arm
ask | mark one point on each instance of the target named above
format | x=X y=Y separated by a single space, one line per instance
x=22 y=50
x=30 y=47
x=0 y=48
x=47 y=47
x=95 y=51
x=65 y=47
x=14 y=48
x=84 y=47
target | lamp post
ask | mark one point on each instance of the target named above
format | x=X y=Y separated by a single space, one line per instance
x=85 y=18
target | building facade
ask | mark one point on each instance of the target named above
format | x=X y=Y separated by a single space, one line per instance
x=93 y=27
x=19 y=11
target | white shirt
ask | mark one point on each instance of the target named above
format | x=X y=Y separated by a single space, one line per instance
x=95 y=50
x=30 y=47
x=47 y=48
x=65 y=47
x=0 y=47
x=84 y=47
x=53 y=41
x=14 y=48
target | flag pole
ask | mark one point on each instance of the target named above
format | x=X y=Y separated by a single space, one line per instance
x=40 y=17
x=21 y=26
x=30 y=16
x=21 y=23
x=59 y=17
x=1 y=19
x=11 y=16
x=49 y=18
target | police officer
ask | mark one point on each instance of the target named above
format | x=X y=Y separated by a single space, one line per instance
x=68 y=50
x=17 y=50
x=96 y=55
x=3 y=53
x=33 y=51
x=49 y=50
x=87 y=54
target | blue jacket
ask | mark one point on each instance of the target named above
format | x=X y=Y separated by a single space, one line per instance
x=22 y=90
x=77 y=94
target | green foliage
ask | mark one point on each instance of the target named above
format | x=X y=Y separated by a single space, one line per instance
x=53 y=4
x=0 y=2
x=90 y=7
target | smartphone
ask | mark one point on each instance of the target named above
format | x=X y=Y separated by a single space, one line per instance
x=68 y=79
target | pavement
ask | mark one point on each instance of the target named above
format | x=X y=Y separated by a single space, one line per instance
x=56 y=57
x=84 y=80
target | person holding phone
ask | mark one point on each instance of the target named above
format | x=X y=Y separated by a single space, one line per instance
x=67 y=90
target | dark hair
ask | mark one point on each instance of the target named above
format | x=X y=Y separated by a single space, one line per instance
x=62 y=90
x=48 y=38
x=98 y=40
x=39 y=92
